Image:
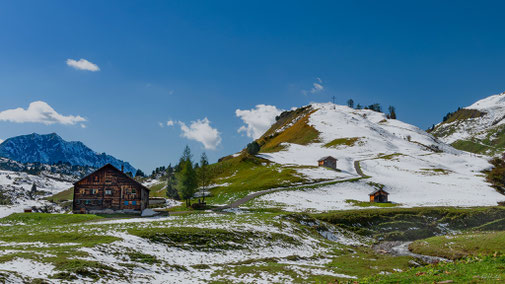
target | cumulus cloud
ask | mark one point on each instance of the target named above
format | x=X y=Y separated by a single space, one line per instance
x=1 y=141
x=201 y=131
x=83 y=64
x=170 y=123
x=257 y=120
x=39 y=112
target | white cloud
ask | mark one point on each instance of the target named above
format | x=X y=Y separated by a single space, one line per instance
x=1 y=141
x=257 y=120
x=317 y=87
x=83 y=64
x=168 y=123
x=201 y=131
x=39 y=112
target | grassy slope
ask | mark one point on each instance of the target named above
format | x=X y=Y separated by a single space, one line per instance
x=464 y=245
x=62 y=244
x=493 y=143
x=413 y=223
x=158 y=190
x=487 y=269
x=65 y=195
x=342 y=142
x=298 y=132
x=245 y=174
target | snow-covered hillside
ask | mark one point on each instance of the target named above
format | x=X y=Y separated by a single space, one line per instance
x=416 y=168
x=15 y=190
x=476 y=128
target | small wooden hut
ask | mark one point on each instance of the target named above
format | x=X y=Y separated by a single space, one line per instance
x=328 y=161
x=379 y=195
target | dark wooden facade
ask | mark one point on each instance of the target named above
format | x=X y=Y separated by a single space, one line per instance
x=109 y=190
x=328 y=161
x=380 y=195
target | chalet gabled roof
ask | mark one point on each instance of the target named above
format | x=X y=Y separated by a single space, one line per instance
x=377 y=190
x=113 y=168
x=326 y=158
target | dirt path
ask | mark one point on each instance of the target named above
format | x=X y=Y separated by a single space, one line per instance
x=357 y=167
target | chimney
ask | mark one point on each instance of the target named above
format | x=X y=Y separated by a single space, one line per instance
x=122 y=168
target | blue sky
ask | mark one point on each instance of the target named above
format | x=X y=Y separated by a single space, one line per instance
x=184 y=61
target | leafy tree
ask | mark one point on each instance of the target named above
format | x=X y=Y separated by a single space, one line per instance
x=253 y=148
x=140 y=173
x=172 y=188
x=186 y=155
x=186 y=177
x=392 y=112
x=375 y=107
x=186 y=182
x=130 y=174
x=496 y=175
x=204 y=177
x=350 y=103
x=33 y=191
x=358 y=106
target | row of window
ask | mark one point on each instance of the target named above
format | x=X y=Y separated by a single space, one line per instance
x=96 y=179
x=94 y=191
x=100 y=202
x=107 y=191
x=89 y=202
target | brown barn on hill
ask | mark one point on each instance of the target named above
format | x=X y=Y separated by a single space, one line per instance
x=328 y=161
x=109 y=190
x=379 y=195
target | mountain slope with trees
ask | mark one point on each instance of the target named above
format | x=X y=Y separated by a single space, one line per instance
x=52 y=149
x=478 y=128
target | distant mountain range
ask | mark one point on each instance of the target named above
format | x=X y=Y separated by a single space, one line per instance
x=52 y=149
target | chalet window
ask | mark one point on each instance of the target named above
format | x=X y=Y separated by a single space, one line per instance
x=108 y=191
x=134 y=191
x=82 y=191
x=88 y=202
x=94 y=191
x=126 y=203
x=96 y=179
x=134 y=202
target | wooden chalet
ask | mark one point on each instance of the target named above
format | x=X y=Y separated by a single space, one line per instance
x=109 y=190
x=379 y=195
x=328 y=161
